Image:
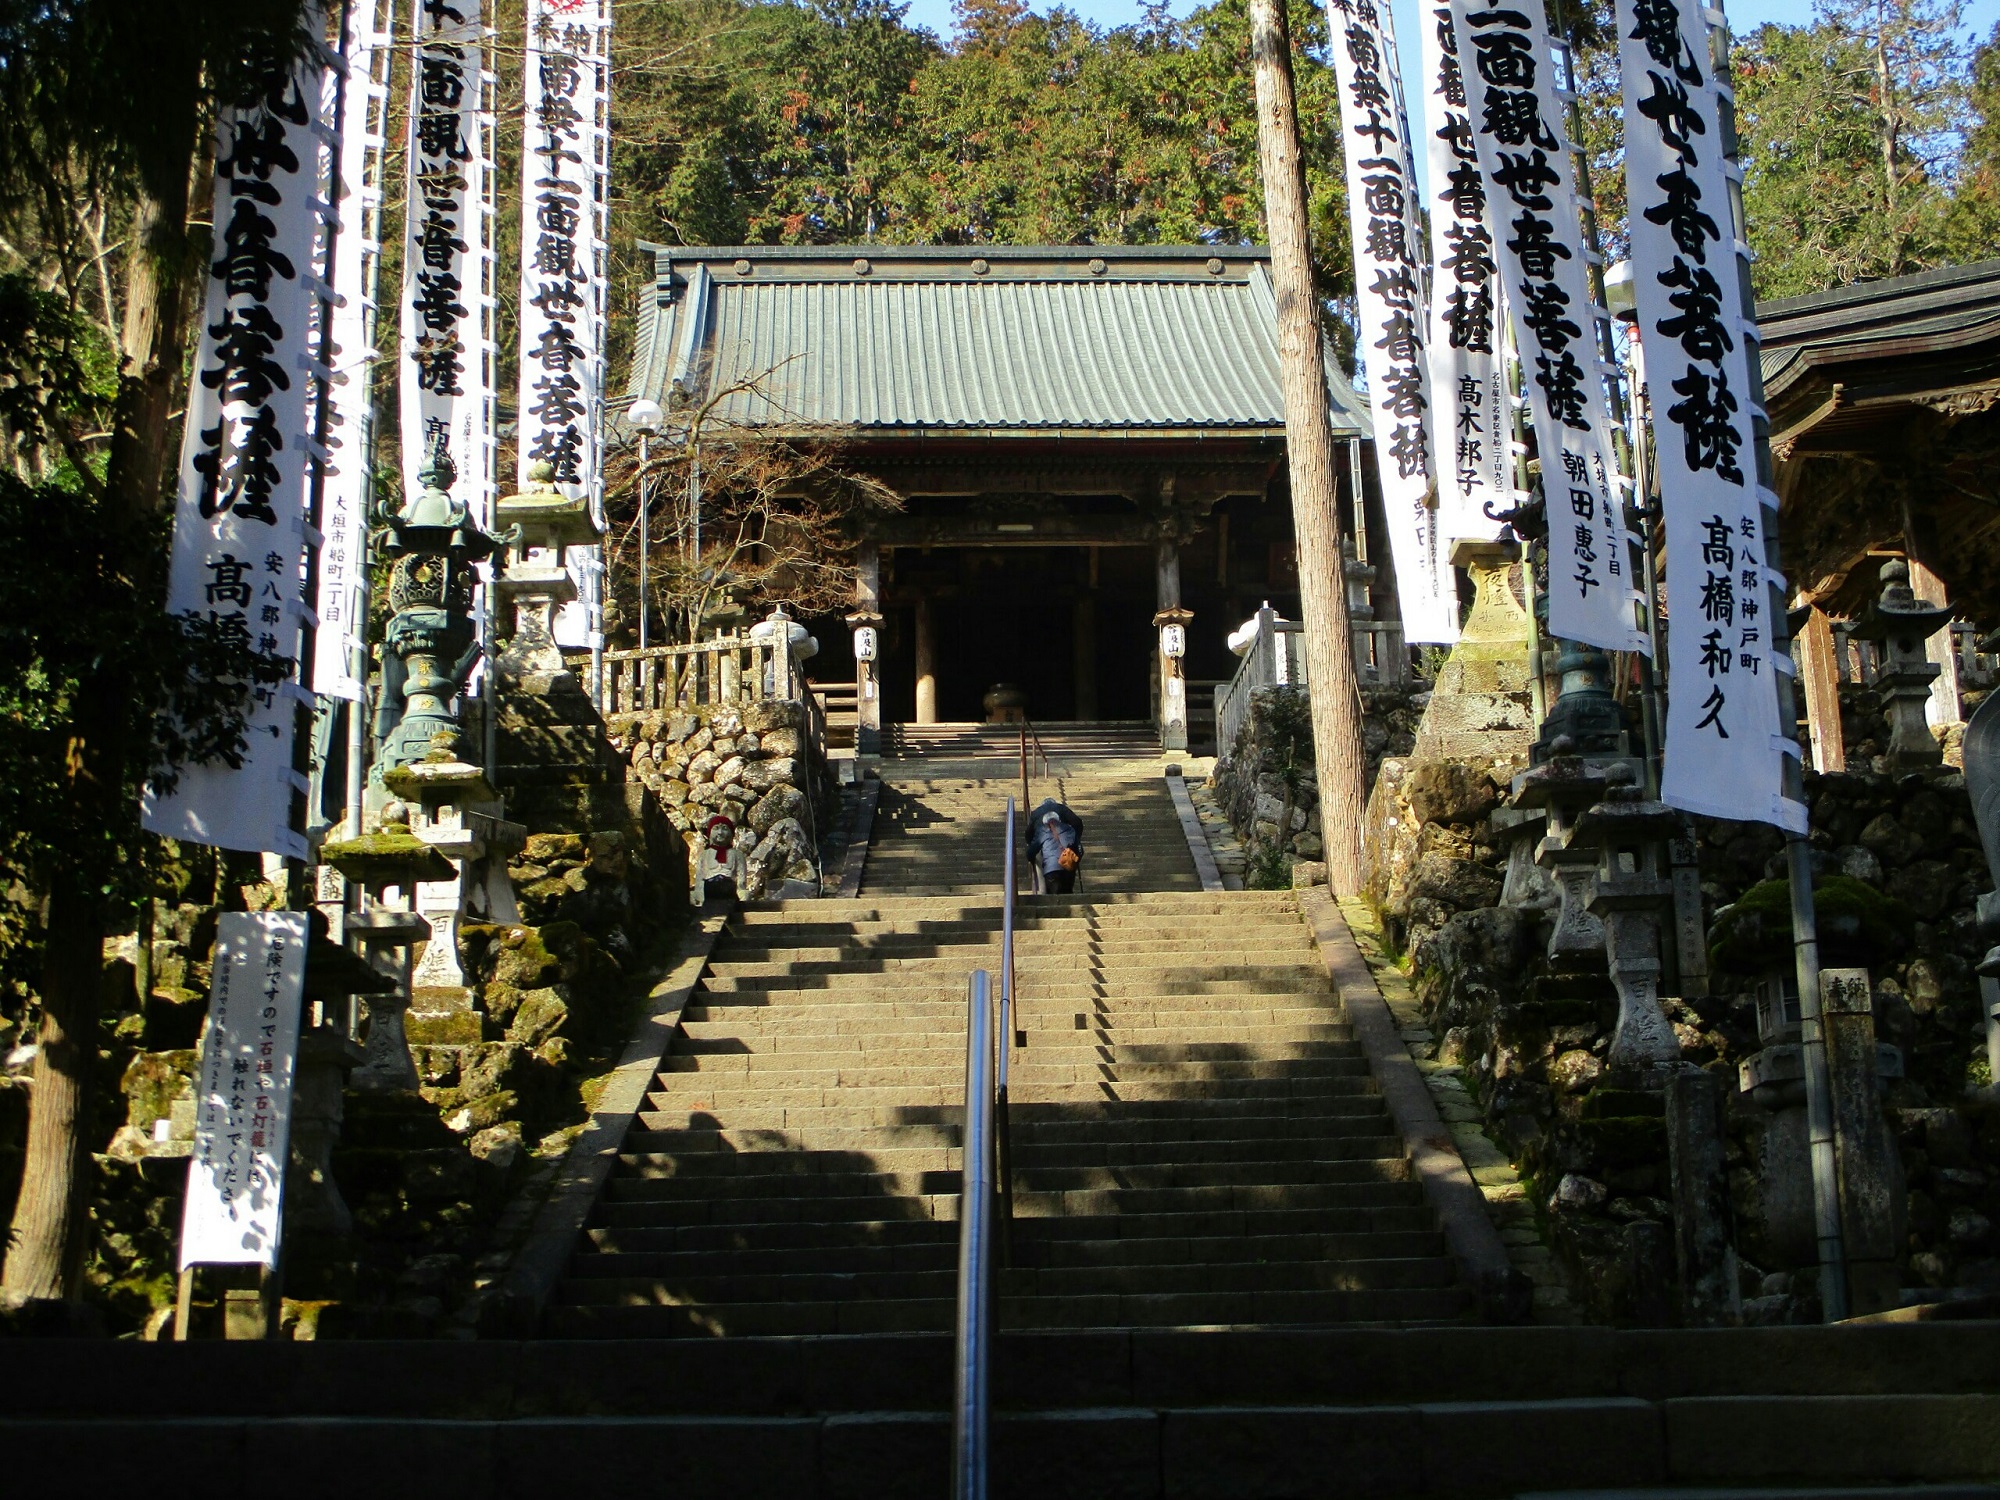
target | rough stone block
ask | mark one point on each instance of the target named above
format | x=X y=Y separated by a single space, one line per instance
x=461 y=1028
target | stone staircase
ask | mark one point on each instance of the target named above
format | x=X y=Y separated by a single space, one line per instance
x=1196 y=1138
x=939 y=836
x=1114 y=739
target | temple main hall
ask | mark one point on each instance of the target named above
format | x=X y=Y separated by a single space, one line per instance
x=1083 y=437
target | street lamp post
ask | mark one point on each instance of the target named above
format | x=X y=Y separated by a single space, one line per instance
x=648 y=418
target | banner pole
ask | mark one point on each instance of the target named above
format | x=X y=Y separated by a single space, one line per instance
x=1798 y=852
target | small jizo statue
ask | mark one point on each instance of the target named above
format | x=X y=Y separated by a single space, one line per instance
x=719 y=871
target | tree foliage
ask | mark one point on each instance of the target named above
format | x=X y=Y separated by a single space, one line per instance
x=829 y=121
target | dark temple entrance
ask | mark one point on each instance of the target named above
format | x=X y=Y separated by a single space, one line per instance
x=1072 y=626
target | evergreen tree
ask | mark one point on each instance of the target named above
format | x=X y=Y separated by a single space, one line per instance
x=1850 y=128
x=1972 y=229
x=104 y=111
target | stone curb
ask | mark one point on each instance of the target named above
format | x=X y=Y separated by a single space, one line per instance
x=1197 y=840
x=859 y=834
x=588 y=1163
x=1505 y=1295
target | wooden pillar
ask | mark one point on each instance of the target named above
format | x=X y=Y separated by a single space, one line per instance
x=1169 y=566
x=1172 y=683
x=926 y=662
x=1083 y=638
x=1335 y=697
x=1819 y=674
x=867 y=617
x=1944 y=707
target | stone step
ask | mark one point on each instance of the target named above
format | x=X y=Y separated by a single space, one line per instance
x=1185 y=1119
x=658 y=1253
x=746 y=1320
x=1218 y=1413
x=1029 y=1249
x=1201 y=1212
x=948 y=1001
x=851 y=1061
x=719 y=1092
x=1041 y=1030
x=1105 y=1041
x=622 y=1285
x=734 y=1141
x=1387 y=1305
x=628 y=1228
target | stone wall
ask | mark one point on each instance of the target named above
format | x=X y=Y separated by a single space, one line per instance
x=756 y=764
x=1529 y=1049
x=1265 y=782
x=435 y=1181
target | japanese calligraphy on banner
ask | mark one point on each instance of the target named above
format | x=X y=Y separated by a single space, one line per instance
x=239 y=524
x=357 y=252
x=243 y=1099
x=1723 y=755
x=1472 y=454
x=1532 y=208
x=447 y=384
x=562 y=251
x=1388 y=276
x=564 y=199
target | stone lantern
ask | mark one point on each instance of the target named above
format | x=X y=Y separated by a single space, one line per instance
x=1632 y=893
x=430 y=645
x=1901 y=622
x=1556 y=793
x=392 y=865
x=540 y=519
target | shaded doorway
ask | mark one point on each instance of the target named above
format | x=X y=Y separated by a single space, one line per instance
x=1073 y=631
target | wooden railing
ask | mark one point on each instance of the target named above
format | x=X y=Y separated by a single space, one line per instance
x=1276 y=658
x=728 y=669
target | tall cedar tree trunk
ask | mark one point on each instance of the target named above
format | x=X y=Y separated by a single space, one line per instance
x=51 y=1226
x=1335 y=696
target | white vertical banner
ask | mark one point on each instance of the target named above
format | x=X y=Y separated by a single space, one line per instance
x=240 y=519
x=562 y=313
x=1725 y=742
x=446 y=324
x=1470 y=430
x=1388 y=280
x=357 y=255
x=1533 y=209
x=564 y=176
x=243 y=1098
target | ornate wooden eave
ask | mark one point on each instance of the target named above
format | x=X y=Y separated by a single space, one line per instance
x=1884 y=403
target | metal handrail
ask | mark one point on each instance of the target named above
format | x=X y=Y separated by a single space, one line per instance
x=973 y=1344
x=1004 y=1136
x=1041 y=754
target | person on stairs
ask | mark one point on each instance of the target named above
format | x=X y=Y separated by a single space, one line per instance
x=1055 y=847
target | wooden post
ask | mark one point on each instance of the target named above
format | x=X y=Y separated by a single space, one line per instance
x=1083 y=643
x=1820 y=675
x=867 y=674
x=926 y=662
x=1336 y=699
x=1944 y=707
